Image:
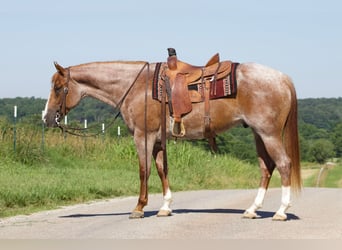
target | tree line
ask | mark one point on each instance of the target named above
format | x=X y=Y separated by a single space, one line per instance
x=319 y=119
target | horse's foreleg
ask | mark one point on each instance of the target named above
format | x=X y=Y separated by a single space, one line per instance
x=165 y=210
x=144 y=156
x=138 y=212
x=266 y=168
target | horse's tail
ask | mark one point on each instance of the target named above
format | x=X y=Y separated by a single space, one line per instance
x=291 y=140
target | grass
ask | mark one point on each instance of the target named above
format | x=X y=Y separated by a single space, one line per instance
x=68 y=170
x=334 y=177
x=316 y=175
x=195 y=168
x=71 y=170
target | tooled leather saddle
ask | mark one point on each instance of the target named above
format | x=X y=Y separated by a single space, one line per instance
x=185 y=84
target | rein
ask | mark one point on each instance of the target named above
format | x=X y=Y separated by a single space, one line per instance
x=69 y=129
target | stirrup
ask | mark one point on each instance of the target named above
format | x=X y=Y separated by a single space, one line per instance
x=177 y=128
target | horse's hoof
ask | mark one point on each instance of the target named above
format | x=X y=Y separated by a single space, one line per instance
x=249 y=215
x=279 y=217
x=136 y=215
x=164 y=213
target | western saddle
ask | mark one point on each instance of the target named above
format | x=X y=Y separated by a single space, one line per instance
x=178 y=77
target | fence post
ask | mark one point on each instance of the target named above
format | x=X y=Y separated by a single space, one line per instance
x=43 y=129
x=103 y=131
x=85 y=128
x=14 y=129
x=66 y=124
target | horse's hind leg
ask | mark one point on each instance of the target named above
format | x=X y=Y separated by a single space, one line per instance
x=266 y=168
x=165 y=210
x=277 y=152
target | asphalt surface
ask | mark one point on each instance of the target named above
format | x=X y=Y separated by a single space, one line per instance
x=208 y=214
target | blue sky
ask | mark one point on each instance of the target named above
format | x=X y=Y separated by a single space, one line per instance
x=301 y=38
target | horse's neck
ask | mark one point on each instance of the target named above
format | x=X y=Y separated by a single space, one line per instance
x=106 y=81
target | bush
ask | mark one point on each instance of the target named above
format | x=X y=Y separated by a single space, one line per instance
x=321 y=150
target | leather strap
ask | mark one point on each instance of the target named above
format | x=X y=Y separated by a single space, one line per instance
x=206 y=107
x=163 y=126
x=208 y=133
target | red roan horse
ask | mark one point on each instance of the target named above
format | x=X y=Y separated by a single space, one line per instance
x=265 y=101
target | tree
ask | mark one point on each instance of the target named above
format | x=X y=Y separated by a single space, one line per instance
x=336 y=138
x=321 y=150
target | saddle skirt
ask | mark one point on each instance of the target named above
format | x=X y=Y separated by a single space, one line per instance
x=226 y=87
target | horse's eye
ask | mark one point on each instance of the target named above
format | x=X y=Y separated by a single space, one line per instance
x=57 y=89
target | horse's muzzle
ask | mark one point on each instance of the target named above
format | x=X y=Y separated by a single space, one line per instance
x=52 y=119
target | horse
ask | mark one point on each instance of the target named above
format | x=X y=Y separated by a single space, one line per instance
x=265 y=101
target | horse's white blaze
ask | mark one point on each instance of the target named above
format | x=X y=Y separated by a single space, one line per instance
x=167 y=201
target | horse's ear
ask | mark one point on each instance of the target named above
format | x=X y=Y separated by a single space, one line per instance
x=59 y=68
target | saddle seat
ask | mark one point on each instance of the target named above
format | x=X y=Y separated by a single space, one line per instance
x=194 y=74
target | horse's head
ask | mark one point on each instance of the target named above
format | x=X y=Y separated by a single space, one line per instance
x=63 y=96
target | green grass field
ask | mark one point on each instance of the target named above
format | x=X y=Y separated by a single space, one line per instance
x=73 y=170
x=324 y=176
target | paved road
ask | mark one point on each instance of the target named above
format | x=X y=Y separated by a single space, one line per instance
x=316 y=213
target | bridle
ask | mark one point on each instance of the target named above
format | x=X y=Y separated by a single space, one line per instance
x=62 y=106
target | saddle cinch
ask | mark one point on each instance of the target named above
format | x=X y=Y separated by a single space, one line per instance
x=189 y=84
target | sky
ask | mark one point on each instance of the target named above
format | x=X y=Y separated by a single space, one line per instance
x=302 y=38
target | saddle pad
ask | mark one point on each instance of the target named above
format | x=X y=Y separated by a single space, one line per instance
x=225 y=87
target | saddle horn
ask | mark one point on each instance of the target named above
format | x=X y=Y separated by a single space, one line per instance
x=171 y=51
x=172 y=59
